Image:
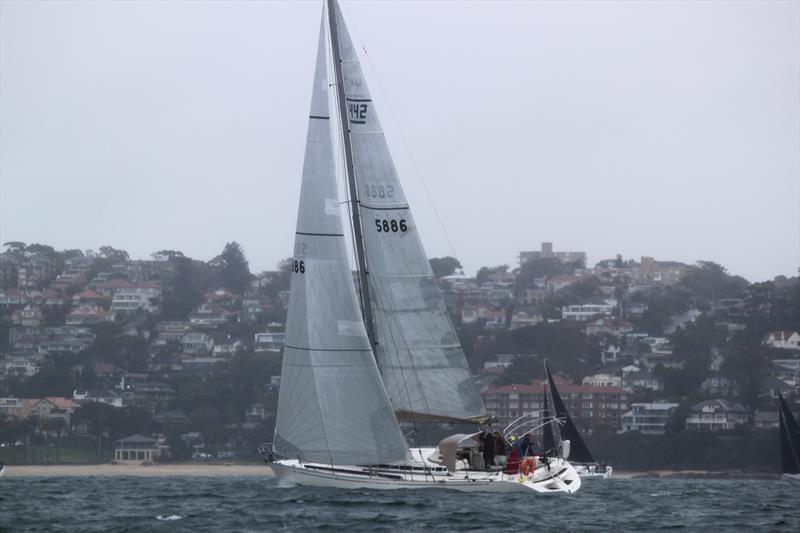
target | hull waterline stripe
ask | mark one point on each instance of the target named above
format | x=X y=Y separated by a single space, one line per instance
x=352 y=472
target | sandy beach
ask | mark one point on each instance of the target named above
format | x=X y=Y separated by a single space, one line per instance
x=187 y=469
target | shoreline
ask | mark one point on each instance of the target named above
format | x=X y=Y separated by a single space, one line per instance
x=152 y=470
x=261 y=470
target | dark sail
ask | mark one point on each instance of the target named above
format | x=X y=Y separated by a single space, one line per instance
x=548 y=440
x=579 y=453
x=790 y=439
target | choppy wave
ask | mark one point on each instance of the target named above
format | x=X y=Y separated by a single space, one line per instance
x=251 y=504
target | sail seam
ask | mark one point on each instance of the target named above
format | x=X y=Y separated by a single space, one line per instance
x=376 y=208
x=319 y=117
x=327 y=349
x=319 y=234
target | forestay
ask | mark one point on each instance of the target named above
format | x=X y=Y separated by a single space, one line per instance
x=420 y=358
x=332 y=407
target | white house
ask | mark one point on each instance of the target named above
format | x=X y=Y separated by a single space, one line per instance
x=98 y=396
x=196 y=342
x=716 y=415
x=784 y=340
x=582 y=313
x=651 y=418
x=269 y=341
x=143 y=296
x=603 y=379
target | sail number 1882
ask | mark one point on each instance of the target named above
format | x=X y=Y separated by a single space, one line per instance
x=393 y=226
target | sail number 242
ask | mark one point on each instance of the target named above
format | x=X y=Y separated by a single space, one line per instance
x=393 y=226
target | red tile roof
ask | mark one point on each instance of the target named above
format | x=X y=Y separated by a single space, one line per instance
x=116 y=283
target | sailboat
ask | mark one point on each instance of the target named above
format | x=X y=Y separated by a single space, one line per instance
x=790 y=441
x=355 y=365
x=580 y=456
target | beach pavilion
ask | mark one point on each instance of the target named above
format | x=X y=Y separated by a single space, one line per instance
x=136 y=449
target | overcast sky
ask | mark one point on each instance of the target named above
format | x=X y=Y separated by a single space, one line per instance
x=668 y=129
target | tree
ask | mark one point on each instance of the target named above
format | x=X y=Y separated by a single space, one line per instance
x=485 y=273
x=71 y=253
x=444 y=266
x=15 y=247
x=166 y=255
x=40 y=249
x=541 y=268
x=114 y=255
x=710 y=280
x=191 y=280
x=234 y=271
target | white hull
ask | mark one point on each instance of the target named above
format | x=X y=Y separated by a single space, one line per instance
x=559 y=478
x=593 y=472
x=791 y=477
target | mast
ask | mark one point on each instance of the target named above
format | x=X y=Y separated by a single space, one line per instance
x=355 y=204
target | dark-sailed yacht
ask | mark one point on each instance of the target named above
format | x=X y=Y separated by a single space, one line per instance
x=790 y=441
x=579 y=455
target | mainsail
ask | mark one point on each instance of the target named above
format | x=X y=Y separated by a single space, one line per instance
x=332 y=407
x=579 y=453
x=790 y=439
x=420 y=358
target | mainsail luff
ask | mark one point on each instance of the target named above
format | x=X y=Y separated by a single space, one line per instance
x=548 y=439
x=418 y=352
x=332 y=407
x=790 y=439
x=579 y=453
x=355 y=212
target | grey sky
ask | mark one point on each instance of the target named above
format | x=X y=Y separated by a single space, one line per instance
x=668 y=129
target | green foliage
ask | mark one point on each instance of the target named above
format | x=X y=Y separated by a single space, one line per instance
x=710 y=281
x=570 y=351
x=234 y=270
x=192 y=278
x=753 y=452
x=485 y=273
x=542 y=267
x=55 y=378
x=130 y=353
x=444 y=266
x=661 y=306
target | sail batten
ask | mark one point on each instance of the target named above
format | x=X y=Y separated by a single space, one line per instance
x=421 y=361
x=332 y=407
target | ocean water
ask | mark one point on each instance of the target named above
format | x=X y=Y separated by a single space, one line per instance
x=255 y=504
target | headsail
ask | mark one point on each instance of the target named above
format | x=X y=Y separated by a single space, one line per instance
x=332 y=407
x=790 y=439
x=420 y=358
x=579 y=453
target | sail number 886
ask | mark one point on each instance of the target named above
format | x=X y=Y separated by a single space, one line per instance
x=393 y=226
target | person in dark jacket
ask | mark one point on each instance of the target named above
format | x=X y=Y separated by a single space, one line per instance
x=488 y=450
x=524 y=446
x=500 y=446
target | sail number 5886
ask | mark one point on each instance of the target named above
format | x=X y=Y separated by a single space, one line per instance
x=386 y=226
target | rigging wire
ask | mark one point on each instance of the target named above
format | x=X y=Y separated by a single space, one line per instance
x=402 y=134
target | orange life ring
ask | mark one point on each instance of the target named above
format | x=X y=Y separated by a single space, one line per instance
x=528 y=465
